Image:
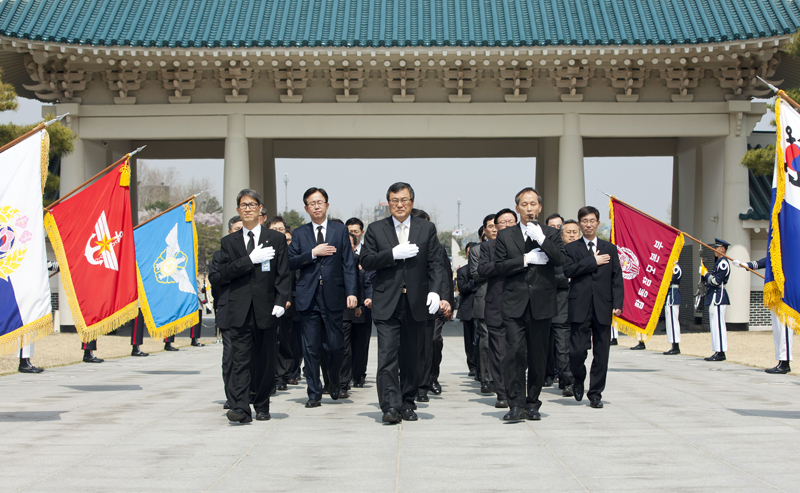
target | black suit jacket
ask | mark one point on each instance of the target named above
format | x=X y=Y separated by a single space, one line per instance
x=219 y=290
x=466 y=292
x=249 y=285
x=533 y=285
x=589 y=283
x=420 y=275
x=493 y=309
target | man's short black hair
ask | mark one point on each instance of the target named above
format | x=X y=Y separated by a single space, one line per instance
x=585 y=211
x=552 y=216
x=420 y=214
x=311 y=191
x=276 y=220
x=469 y=245
x=505 y=211
x=335 y=220
x=263 y=210
x=398 y=187
x=248 y=192
x=353 y=238
x=480 y=233
x=488 y=218
x=526 y=190
x=235 y=219
x=354 y=220
x=571 y=221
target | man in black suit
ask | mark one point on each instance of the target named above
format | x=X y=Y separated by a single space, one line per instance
x=466 y=296
x=219 y=292
x=321 y=251
x=558 y=348
x=527 y=255
x=493 y=309
x=484 y=376
x=595 y=292
x=286 y=355
x=255 y=264
x=405 y=254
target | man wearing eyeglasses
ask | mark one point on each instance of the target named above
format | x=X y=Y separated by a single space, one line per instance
x=406 y=256
x=255 y=263
x=326 y=285
x=595 y=293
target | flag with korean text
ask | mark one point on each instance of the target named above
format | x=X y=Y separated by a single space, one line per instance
x=782 y=276
x=25 y=311
x=166 y=265
x=648 y=251
x=92 y=235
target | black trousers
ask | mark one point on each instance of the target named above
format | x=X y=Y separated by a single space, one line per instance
x=137 y=330
x=433 y=360
x=558 y=358
x=483 y=351
x=497 y=359
x=361 y=333
x=322 y=331
x=399 y=340
x=283 y=364
x=297 y=348
x=250 y=343
x=346 y=371
x=196 y=329
x=426 y=355
x=590 y=333
x=525 y=333
x=470 y=349
x=89 y=346
x=227 y=362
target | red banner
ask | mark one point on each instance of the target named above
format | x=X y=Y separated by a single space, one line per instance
x=648 y=251
x=92 y=235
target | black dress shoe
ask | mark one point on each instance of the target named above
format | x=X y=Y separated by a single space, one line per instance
x=471 y=373
x=486 y=388
x=343 y=394
x=676 y=349
x=239 y=416
x=422 y=396
x=292 y=381
x=409 y=415
x=282 y=386
x=596 y=403
x=136 y=351
x=719 y=356
x=436 y=388
x=567 y=391
x=262 y=416
x=577 y=391
x=359 y=384
x=196 y=343
x=532 y=414
x=516 y=413
x=335 y=394
x=312 y=403
x=501 y=404
x=548 y=382
x=91 y=358
x=781 y=369
x=169 y=347
x=639 y=346
x=392 y=416
x=227 y=405
x=25 y=366
x=614 y=342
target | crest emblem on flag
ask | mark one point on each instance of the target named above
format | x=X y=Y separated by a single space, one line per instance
x=170 y=266
x=13 y=240
x=100 y=247
x=628 y=262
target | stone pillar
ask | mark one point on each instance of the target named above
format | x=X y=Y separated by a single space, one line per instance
x=571 y=184
x=675 y=206
x=269 y=178
x=236 y=174
x=548 y=161
x=72 y=175
x=736 y=200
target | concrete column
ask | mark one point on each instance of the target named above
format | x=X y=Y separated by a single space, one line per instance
x=675 y=206
x=548 y=162
x=571 y=184
x=236 y=174
x=735 y=200
x=72 y=175
x=269 y=178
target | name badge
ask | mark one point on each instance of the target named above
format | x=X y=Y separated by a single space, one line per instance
x=265 y=266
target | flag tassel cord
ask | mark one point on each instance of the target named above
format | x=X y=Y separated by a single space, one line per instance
x=682 y=232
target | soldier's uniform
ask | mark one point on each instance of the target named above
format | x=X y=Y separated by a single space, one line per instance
x=781 y=335
x=717 y=302
x=25 y=365
x=672 y=308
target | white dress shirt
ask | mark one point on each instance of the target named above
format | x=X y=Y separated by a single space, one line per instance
x=594 y=244
x=256 y=235
x=324 y=233
x=397 y=224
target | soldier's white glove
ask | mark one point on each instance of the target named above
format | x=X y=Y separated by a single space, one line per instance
x=404 y=251
x=262 y=254
x=536 y=257
x=736 y=263
x=278 y=311
x=433 y=303
x=535 y=233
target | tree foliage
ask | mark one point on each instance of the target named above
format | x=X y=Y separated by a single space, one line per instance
x=293 y=219
x=208 y=242
x=760 y=161
x=8 y=96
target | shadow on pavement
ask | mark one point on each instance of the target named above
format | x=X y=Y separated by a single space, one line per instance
x=31 y=416
x=103 y=388
x=767 y=413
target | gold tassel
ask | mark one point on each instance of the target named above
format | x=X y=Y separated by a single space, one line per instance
x=14 y=341
x=189 y=210
x=45 y=156
x=125 y=174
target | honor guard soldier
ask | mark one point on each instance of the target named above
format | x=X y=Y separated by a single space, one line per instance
x=717 y=299
x=672 y=308
x=25 y=365
x=781 y=334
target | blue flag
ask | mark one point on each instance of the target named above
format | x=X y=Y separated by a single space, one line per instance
x=166 y=264
x=782 y=279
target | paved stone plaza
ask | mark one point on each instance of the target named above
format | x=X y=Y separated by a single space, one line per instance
x=156 y=423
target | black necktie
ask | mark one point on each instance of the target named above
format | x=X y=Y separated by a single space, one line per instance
x=529 y=244
x=591 y=247
x=251 y=244
x=320 y=238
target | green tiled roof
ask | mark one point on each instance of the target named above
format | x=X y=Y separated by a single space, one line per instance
x=281 y=23
x=760 y=197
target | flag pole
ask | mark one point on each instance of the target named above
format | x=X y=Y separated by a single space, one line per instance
x=781 y=93
x=116 y=163
x=32 y=131
x=165 y=211
x=676 y=229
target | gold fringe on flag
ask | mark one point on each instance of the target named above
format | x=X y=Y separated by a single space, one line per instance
x=28 y=333
x=45 y=157
x=92 y=332
x=170 y=329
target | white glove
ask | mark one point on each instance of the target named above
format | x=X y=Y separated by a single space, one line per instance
x=278 y=311
x=405 y=250
x=433 y=303
x=536 y=257
x=535 y=233
x=262 y=254
x=736 y=263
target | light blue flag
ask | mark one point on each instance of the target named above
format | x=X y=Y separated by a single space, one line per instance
x=166 y=253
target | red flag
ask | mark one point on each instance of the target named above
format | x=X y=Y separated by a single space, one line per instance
x=92 y=235
x=648 y=251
